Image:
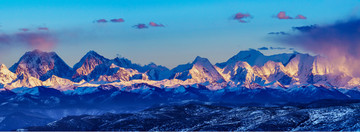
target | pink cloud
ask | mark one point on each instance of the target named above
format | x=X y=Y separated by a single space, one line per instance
x=140 y=26
x=282 y=15
x=300 y=17
x=37 y=40
x=155 y=24
x=101 y=21
x=240 y=17
x=117 y=20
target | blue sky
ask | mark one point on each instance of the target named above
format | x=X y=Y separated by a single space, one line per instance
x=192 y=28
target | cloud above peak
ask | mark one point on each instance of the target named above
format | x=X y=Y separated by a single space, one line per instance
x=32 y=39
x=37 y=40
x=339 y=42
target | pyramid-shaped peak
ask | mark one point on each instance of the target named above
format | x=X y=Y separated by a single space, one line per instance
x=41 y=65
x=92 y=53
x=87 y=64
x=199 y=59
x=33 y=56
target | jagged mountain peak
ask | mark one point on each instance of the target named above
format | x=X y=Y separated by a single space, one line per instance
x=91 y=55
x=87 y=64
x=59 y=83
x=246 y=67
x=126 y=63
x=122 y=62
x=6 y=76
x=199 y=71
x=41 y=65
x=249 y=56
x=240 y=72
x=201 y=61
x=93 y=66
x=24 y=80
x=156 y=72
x=256 y=58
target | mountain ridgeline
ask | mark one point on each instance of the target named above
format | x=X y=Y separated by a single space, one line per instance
x=42 y=86
x=247 y=68
x=247 y=77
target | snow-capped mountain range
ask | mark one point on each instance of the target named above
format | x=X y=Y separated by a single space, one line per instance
x=250 y=69
x=43 y=82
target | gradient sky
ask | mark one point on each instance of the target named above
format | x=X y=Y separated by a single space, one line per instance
x=192 y=28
